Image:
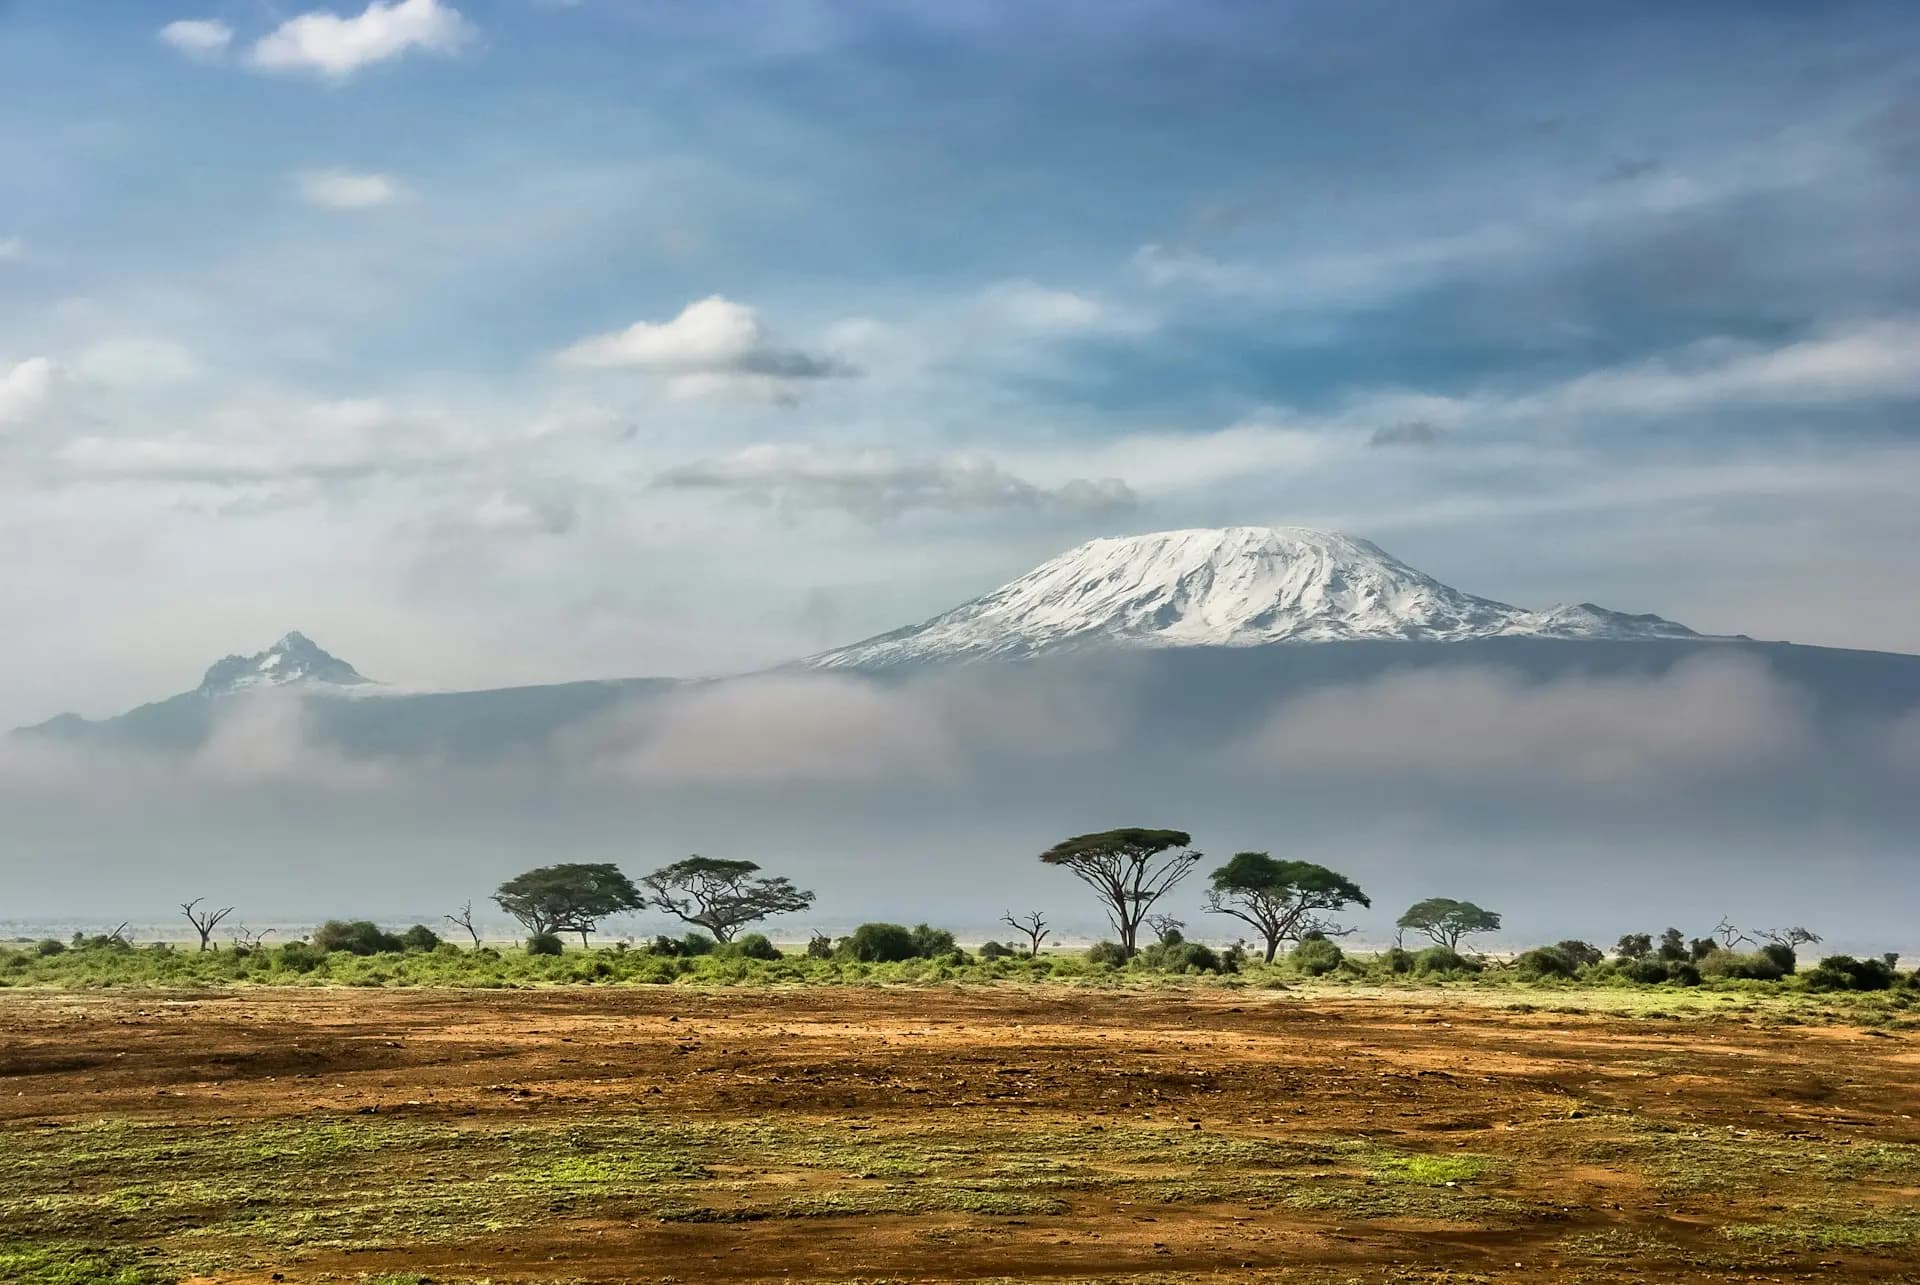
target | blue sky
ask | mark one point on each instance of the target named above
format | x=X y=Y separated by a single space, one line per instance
x=521 y=340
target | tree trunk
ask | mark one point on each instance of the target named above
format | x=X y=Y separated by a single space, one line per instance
x=1273 y=946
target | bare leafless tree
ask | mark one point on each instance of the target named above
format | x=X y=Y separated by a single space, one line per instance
x=465 y=920
x=1729 y=935
x=1791 y=938
x=1033 y=924
x=1165 y=926
x=244 y=938
x=204 y=921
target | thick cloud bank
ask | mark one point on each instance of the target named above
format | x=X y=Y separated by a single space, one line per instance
x=1575 y=801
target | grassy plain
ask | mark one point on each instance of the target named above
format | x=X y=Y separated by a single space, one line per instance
x=986 y=1131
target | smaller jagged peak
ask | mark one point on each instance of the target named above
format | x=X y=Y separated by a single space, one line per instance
x=294 y=659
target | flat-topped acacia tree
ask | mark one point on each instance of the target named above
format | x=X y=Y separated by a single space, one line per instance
x=571 y=897
x=1446 y=921
x=721 y=896
x=1281 y=900
x=1130 y=869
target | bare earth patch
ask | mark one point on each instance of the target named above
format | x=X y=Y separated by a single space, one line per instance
x=940 y=1133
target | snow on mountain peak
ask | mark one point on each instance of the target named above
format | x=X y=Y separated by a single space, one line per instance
x=1230 y=587
x=294 y=660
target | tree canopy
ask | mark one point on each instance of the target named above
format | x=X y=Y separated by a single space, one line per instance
x=1130 y=869
x=572 y=897
x=720 y=896
x=1447 y=921
x=1281 y=900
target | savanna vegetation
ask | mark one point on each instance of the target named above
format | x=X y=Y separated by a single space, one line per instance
x=1290 y=904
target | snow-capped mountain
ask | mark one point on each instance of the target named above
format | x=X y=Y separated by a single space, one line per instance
x=1232 y=587
x=296 y=660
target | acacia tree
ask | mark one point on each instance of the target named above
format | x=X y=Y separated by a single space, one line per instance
x=721 y=896
x=1446 y=921
x=204 y=921
x=1130 y=869
x=571 y=897
x=1033 y=924
x=1282 y=900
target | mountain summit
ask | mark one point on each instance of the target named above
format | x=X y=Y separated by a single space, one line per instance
x=295 y=660
x=1232 y=587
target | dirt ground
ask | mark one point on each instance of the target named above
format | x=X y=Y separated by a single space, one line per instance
x=932 y=1134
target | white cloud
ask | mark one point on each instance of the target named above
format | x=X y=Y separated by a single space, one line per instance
x=877 y=484
x=202 y=38
x=1708 y=716
x=329 y=45
x=346 y=189
x=1028 y=305
x=714 y=346
x=25 y=388
x=137 y=360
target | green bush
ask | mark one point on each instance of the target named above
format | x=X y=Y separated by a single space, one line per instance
x=545 y=944
x=1315 y=956
x=881 y=944
x=1545 y=962
x=49 y=946
x=1757 y=966
x=1579 y=953
x=1179 y=956
x=1845 y=973
x=299 y=957
x=1439 y=959
x=359 y=937
x=1684 y=973
x=1782 y=956
x=819 y=946
x=1648 y=971
x=992 y=950
x=419 y=937
x=1398 y=960
x=751 y=946
x=931 y=943
x=1111 y=953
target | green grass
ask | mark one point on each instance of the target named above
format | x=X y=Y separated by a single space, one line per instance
x=1832 y=1226
x=209 y=1192
x=70 y=1265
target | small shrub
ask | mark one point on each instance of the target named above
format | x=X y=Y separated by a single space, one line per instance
x=1315 y=956
x=1180 y=956
x=1757 y=966
x=1684 y=973
x=1398 y=960
x=360 y=937
x=1782 y=957
x=1545 y=962
x=696 y=944
x=819 y=946
x=1845 y=973
x=49 y=946
x=1579 y=953
x=992 y=950
x=419 y=937
x=299 y=957
x=1438 y=959
x=1647 y=971
x=1233 y=958
x=545 y=944
x=1110 y=953
x=881 y=944
x=752 y=946
x=931 y=943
